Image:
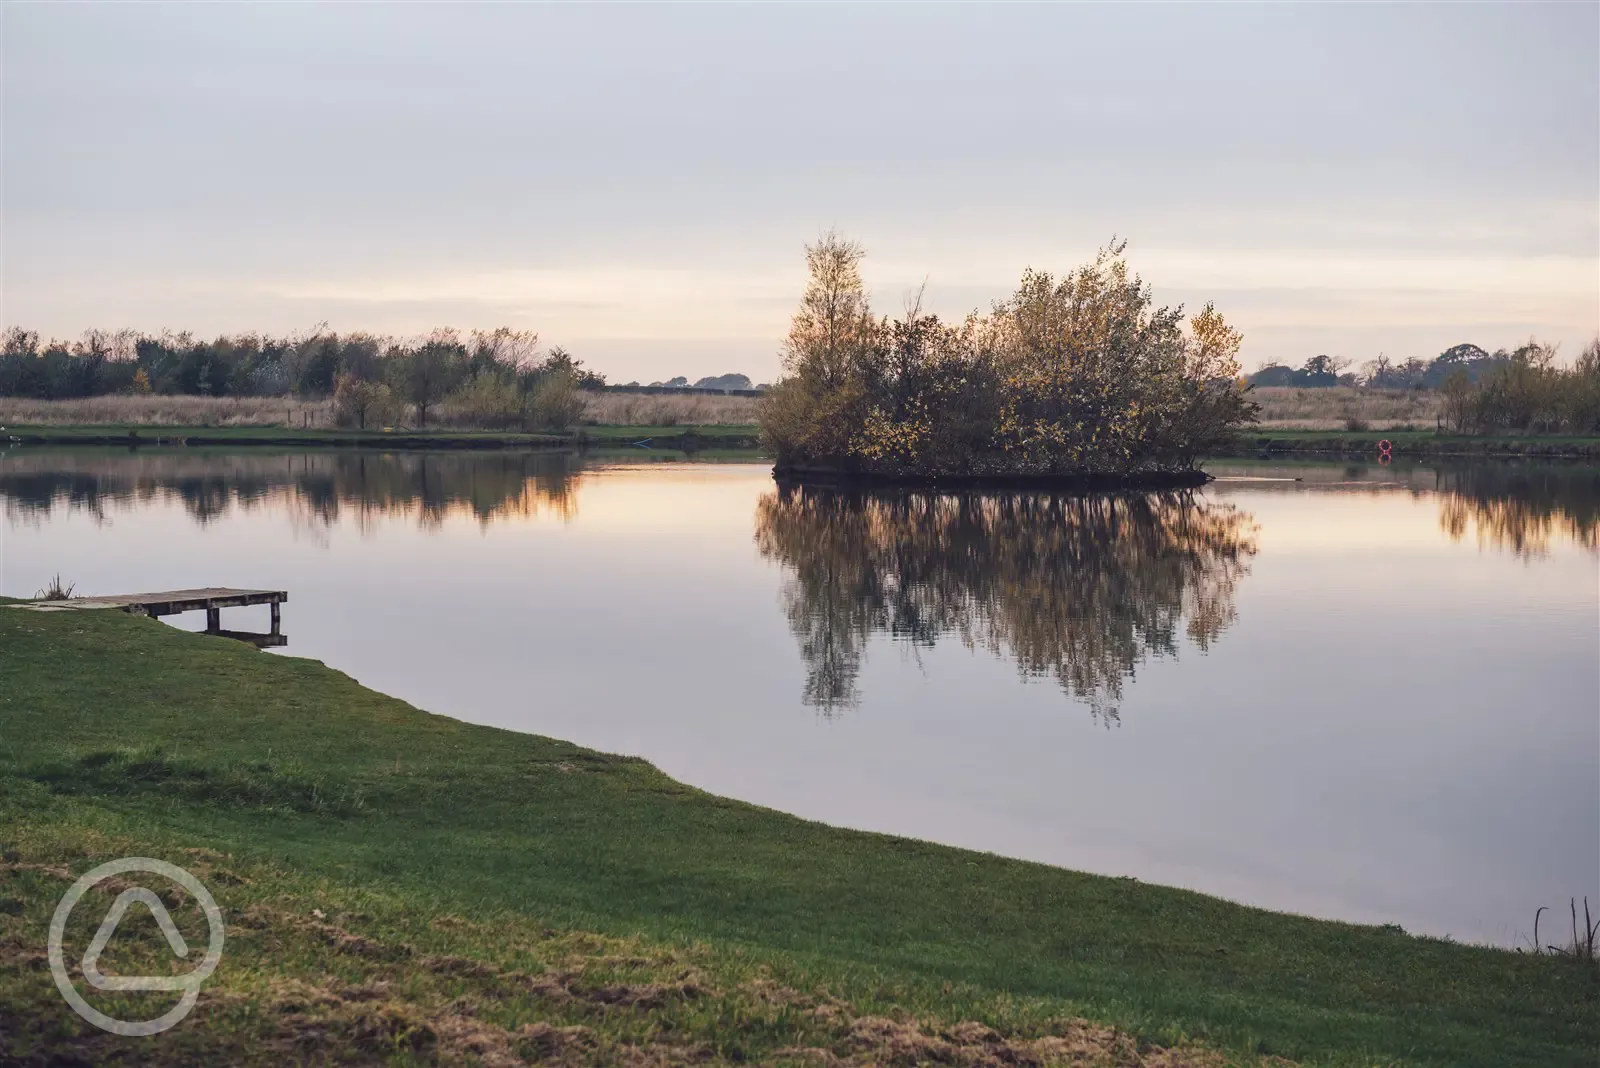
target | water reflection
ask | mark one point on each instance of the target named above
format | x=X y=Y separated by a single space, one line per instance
x=1359 y=744
x=1522 y=509
x=317 y=489
x=1080 y=589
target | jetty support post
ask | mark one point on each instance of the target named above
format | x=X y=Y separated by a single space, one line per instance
x=276 y=607
x=213 y=620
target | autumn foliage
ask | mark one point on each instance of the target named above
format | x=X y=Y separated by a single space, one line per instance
x=1076 y=375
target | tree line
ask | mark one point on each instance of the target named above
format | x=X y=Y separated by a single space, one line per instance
x=494 y=378
x=1522 y=390
x=1470 y=361
x=1320 y=372
x=1079 y=375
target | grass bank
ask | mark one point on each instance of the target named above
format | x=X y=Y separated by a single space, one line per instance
x=1410 y=443
x=699 y=438
x=406 y=887
x=682 y=438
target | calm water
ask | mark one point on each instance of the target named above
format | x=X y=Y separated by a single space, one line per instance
x=1363 y=693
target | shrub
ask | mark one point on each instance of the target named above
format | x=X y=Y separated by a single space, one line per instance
x=1525 y=391
x=1081 y=374
x=556 y=403
x=489 y=400
x=357 y=402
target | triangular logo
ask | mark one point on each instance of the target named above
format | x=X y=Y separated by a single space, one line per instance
x=108 y=927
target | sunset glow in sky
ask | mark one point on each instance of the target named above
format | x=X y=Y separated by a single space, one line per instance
x=636 y=183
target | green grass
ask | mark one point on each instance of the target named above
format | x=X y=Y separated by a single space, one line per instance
x=1413 y=443
x=636 y=433
x=408 y=887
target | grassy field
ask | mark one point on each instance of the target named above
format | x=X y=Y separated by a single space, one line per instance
x=1415 y=443
x=680 y=437
x=1289 y=408
x=1412 y=443
x=726 y=437
x=1316 y=421
x=155 y=410
x=1281 y=408
x=404 y=887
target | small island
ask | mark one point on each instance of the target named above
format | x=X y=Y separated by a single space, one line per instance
x=1077 y=382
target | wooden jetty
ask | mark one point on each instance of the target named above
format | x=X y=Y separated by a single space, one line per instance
x=211 y=600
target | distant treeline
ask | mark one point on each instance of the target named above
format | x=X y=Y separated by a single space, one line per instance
x=1521 y=389
x=1383 y=373
x=488 y=377
x=732 y=382
x=1527 y=392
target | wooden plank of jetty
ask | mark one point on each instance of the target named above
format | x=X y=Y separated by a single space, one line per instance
x=171 y=602
x=212 y=600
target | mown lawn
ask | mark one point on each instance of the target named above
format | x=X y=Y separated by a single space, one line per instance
x=407 y=887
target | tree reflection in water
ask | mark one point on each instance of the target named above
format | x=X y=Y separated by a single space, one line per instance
x=316 y=488
x=1522 y=509
x=1080 y=589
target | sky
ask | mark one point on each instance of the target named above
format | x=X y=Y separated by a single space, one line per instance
x=637 y=183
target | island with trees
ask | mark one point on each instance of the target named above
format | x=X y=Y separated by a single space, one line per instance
x=1073 y=381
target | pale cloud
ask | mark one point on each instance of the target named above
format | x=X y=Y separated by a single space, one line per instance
x=637 y=182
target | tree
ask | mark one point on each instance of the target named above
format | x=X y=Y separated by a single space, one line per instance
x=834 y=323
x=1379 y=373
x=731 y=380
x=314 y=364
x=502 y=349
x=818 y=407
x=556 y=403
x=425 y=375
x=562 y=362
x=1274 y=374
x=1470 y=360
x=355 y=400
x=1319 y=371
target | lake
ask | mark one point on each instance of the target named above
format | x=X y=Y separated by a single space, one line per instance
x=1351 y=691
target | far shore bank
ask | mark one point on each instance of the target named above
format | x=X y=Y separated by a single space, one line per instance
x=1411 y=444
x=682 y=438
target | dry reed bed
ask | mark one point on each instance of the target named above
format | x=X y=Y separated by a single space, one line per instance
x=624 y=409
x=154 y=410
x=1288 y=408
x=644 y=409
x=1281 y=407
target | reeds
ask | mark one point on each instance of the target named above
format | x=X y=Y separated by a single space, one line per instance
x=606 y=409
x=644 y=409
x=56 y=591
x=1585 y=945
x=159 y=410
x=1347 y=408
